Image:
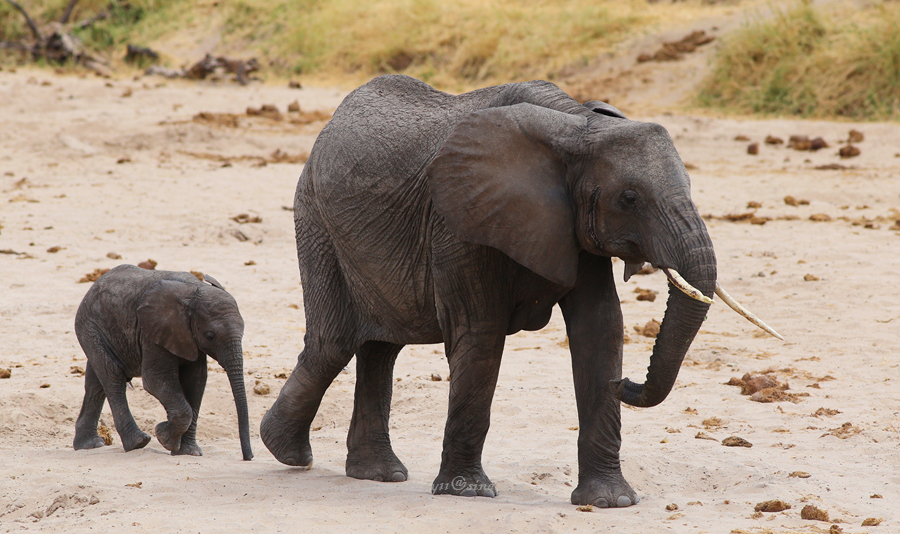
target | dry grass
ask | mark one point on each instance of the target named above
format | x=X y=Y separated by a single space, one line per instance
x=810 y=62
x=454 y=45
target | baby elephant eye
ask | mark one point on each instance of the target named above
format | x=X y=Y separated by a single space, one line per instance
x=210 y=336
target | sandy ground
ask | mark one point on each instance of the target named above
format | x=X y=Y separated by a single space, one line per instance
x=86 y=171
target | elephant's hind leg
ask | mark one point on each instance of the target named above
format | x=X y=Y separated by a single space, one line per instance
x=370 y=455
x=105 y=370
x=86 y=436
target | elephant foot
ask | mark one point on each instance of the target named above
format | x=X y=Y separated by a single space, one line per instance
x=605 y=492
x=469 y=484
x=188 y=448
x=287 y=442
x=384 y=467
x=135 y=440
x=167 y=438
x=88 y=441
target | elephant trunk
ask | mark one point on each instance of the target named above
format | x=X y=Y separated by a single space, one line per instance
x=681 y=322
x=233 y=363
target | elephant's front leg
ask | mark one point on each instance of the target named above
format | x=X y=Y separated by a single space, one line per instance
x=474 y=357
x=161 y=379
x=594 y=326
x=192 y=377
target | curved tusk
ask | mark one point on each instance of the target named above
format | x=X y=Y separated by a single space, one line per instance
x=689 y=290
x=733 y=304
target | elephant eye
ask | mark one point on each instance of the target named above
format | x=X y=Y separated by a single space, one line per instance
x=629 y=199
x=210 y=336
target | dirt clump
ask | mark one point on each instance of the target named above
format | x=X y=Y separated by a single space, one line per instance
x=245 y=218
x=150 y=265
x=848 y=151
x=791 y=201
x=735 y=441
x=268 y=111
x=651 y=329
x=820 y=217
x=227 y=120
x=750 y=384
x=675 y=50
x=813 y=513
x=105 y=433
x=5 y=373
x=645 y=294
x=872 y=522
x=775 y=505
x=753 y=149
x=846 y=431
x=826 y=412
x=855 y=136
x=92 y=277
x=799 y=474
x=261 y=388
x=772 y=140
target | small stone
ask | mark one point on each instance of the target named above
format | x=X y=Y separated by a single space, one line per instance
x=294 y=107
x=817 y=144
x=772 y=140
x=5 y=373
x=790 y=201
x=261 y=388
x=820 y=217
x=753 y=149
x=671 y=507
x=741 y=137
x=813 y=513
x=811 y=278
x=872 y=522
x=651 y=329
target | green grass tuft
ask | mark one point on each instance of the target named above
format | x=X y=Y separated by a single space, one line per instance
x=808 y=62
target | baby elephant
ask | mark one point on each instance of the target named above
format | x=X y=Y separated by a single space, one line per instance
x=159 y=325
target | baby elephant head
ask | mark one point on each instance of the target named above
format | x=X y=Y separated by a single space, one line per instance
x=189 y=320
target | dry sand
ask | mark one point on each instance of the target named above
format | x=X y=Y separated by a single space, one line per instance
x=91 y=171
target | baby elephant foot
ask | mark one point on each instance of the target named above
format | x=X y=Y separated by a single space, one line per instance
x=385 y=467
x=469 y=484
x=86 y=440
x=135 y=440
x=611 y=492
x=167 y=438
x=287 y=442
x=188 y=448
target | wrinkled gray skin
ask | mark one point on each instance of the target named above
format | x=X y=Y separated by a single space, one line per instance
x=423 y=217
x=158 y=325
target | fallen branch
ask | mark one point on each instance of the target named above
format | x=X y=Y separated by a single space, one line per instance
x=34 y=29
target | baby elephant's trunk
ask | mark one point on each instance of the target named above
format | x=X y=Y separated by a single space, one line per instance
x=233 y=363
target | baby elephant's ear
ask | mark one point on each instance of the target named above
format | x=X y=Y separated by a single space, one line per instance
x=212 y=281
x=163 y=318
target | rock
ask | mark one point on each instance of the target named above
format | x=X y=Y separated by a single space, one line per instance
x=753 y=149
x=872 y=522
x=741 y=137
x=5 y=373
x=651 y=329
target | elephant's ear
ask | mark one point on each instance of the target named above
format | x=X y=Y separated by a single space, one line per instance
x=604 y=109
x=212 y=281
x=500 y=180
x=163 y=318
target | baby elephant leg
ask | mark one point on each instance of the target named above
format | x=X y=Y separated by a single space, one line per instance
x=163 y=382
x=86 y=436
x=103 y=376
x=193 y=383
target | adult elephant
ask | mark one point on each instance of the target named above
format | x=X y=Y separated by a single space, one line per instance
x=423 y=217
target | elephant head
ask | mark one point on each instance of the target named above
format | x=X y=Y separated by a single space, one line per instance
x=189 y=320
x=542 y=186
